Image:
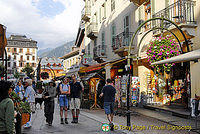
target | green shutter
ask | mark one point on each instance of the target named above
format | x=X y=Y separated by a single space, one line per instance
x=153 y=7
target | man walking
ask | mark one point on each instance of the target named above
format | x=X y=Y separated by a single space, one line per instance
x=108 y=92
x=76 y=89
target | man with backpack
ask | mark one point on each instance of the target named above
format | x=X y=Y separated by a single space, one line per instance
x=76 y=89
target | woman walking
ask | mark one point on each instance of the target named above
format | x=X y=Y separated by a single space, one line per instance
x=63 y=99
x=49 y=95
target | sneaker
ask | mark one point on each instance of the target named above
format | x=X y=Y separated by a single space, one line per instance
x=61 y=121
x=73 y=121
x=76 y=120
x=66 y=122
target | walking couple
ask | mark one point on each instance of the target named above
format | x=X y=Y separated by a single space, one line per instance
x=70 y=94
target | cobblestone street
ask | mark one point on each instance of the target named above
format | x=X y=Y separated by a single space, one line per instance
x=91 y=121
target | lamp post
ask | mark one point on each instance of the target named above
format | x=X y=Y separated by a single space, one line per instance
x=128 y=67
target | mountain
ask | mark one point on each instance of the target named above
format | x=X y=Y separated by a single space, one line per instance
x=56 y=52
x=39 y=52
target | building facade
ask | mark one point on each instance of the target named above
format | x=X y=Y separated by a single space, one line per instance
x=53 y=66
x=20 y=52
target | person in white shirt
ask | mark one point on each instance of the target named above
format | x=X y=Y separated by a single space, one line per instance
x=30 y=98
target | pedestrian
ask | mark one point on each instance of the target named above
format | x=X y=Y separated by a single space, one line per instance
x=19 y=90
x=108 y=92
x=30 y=98
x=6 y=109
x=64 y=99
x=76 y=89
x=49 y=94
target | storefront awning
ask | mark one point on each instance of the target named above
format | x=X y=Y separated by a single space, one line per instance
x=193 y=55
x=87 y=77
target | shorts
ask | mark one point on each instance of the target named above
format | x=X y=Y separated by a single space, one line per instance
x=75 y=103
x=63 y=101
x=109 y=107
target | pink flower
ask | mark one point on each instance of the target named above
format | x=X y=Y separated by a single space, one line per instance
x=154 y=56
x=172 y=44
x=166 y=64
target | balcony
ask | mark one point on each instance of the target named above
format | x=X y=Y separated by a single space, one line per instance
x=99 y=52
x=92 y=31
x=28 y=53
x=86 y=12
x=121 y=42
x=139 y=2
x=180 y=12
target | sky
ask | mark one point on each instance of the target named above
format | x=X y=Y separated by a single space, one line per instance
x=50 y=22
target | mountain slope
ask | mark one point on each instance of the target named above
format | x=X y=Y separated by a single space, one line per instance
x=58 y=51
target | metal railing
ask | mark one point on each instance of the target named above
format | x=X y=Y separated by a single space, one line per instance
x=92 y=29
x=99 y=51
x=179 y=12
x=121 y=40
x=86 y=11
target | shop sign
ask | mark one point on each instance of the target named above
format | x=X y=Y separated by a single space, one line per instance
x=87 y=59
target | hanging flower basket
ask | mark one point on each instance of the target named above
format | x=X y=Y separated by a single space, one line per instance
x=162 y=48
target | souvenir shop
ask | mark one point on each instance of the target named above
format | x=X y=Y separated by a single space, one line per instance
x=120 y=80
x=169 y=88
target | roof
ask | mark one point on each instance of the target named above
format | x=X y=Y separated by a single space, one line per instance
x=193 y=55
x=71 y=54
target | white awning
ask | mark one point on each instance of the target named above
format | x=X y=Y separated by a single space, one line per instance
x=193 y=55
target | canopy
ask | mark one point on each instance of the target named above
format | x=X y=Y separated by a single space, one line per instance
x=193 y=55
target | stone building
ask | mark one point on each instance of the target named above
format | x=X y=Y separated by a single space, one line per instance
x=20 y=51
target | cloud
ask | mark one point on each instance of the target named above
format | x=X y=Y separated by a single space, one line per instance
x=48 y=29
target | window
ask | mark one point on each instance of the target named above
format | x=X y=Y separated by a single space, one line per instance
x=14 y=50
x=126 y=31
x=33 y=58
x=33 y=65
x=14 y=64
x=103 y=40
x=28 y=51
x=147 y=15
x=9 y=57
x=27 y=57
x=104 y=14
x=15 y=57
x=33 y=50
x=21 y=57
x=112 y=5
x=21 y=65
x=21 y=50
x=100 y=14
x=89 y=49
x=8 y=64
x=113 y=32
x=8 y=49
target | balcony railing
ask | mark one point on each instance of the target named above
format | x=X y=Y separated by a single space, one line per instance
x=122 y=40
x=138 y=2
x=92 y=30
x=86 y=12
x=181 y=11
x=99 y=51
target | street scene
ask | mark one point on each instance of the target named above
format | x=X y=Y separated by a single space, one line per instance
x=99 y=66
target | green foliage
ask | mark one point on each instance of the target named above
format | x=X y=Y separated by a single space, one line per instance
x=28 y=70
x=17 y=75
x=2 y=69
x=20 y=106
x=160 y=49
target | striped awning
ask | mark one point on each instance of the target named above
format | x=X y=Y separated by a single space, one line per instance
x=190 y=56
